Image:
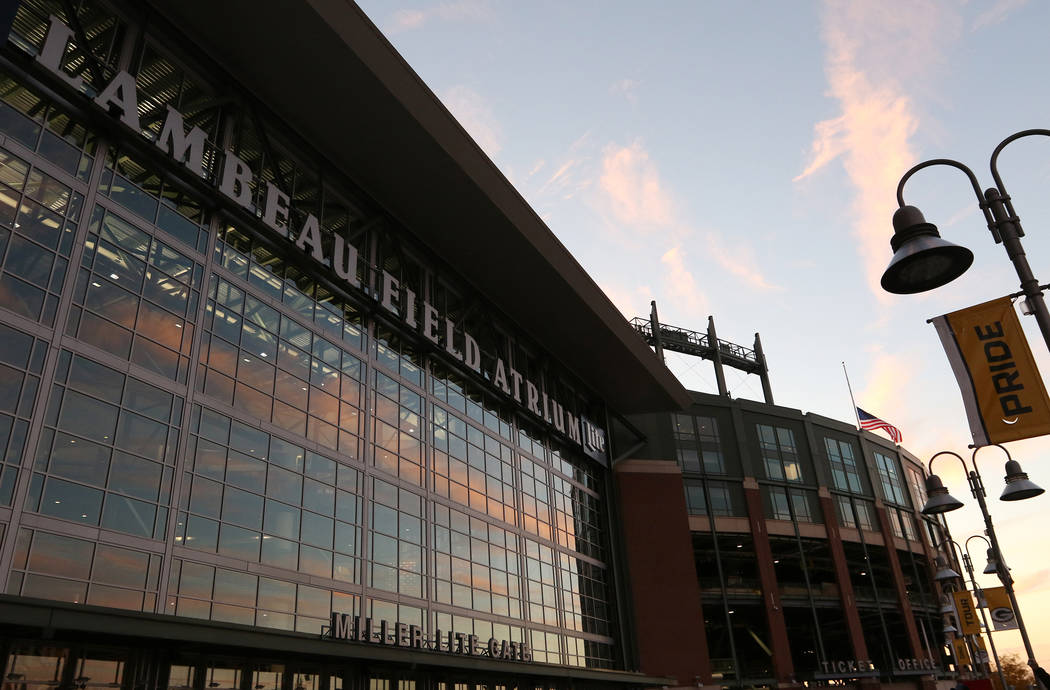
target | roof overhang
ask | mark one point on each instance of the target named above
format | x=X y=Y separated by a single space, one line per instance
x=316 y=62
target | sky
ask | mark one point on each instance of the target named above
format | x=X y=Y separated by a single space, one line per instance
x=741 y=160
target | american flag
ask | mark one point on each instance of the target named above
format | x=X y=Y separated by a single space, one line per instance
x=870 y=422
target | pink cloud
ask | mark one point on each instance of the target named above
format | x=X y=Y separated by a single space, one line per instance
x=868 y=47
x=633 y=188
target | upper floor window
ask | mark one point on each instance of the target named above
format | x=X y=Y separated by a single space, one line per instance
x=778 y=508
x=892 y=488
x=719 y=499
x=779 y=452
x=918 y=486
x=855 y=513
x=844 y=472
x=698 y=446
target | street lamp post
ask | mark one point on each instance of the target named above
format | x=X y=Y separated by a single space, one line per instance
x=1018 y=487
x=968 y=564
x=923 y=261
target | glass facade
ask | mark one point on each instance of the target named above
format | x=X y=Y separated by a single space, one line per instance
x=196 y=419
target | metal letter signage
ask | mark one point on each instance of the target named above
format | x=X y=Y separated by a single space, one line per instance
x=120 y=98
x=361 y=629
x=968 y=623
x=1002 y=390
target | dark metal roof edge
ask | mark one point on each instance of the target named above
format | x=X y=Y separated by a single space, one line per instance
x=642 y=383
x=387 y=64
x=54 y=616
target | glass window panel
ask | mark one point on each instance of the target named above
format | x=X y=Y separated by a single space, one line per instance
x=87 y=417
x=282 y=520
x=71 y=501
x=53 y=588
x=57 y=555
x=135 y=476
x=79 y=460
x=242 y=508
x=202 y=533
x=280 y=553
x=196 y=580
x=246 y=472
x=238 y=542
x=96 y=379
x=276 y=594
x=128 y=515
x=141 y=435
x=316 y=529
x=284 y=485
x=235 y=588
x=315 y=561
x=122 y=567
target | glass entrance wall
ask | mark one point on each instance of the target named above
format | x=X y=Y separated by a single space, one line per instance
x=32 y=666
x=204 y=421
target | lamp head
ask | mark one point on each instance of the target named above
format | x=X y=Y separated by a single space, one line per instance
x=993 y=564
x=939 y=501
x=949 y=629
x=1018 y=487
x=944 y=572
x=921 y=259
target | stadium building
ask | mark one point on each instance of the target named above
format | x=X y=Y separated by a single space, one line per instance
x=297 y=392
x=812 y=560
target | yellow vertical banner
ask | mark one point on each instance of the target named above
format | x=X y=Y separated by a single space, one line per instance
x=967 y=613
x=1002 y=390
x=962 y=654
x=999 y=608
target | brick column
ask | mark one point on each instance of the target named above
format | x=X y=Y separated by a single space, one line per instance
x=783 y=666
x=898 y=583
x=838 y=557
x=665 y=591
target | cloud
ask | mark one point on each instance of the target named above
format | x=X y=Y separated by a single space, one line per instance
x=631 y=184
x=867 y=46
x=996 y=13
x=462 y=10
x=740 y=261
x=474 y=113
x=627 y=88
x=681 y=286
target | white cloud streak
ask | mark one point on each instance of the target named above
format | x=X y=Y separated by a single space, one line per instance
x=867 y=46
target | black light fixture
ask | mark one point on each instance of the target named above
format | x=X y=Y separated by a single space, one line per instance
x=921 y=259
x=1018 y=486
x=992 y=567
x=939 y=501
x=944 y=571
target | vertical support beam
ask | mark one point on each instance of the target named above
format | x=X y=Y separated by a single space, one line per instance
x=783 y=666
x=898 y=582
x=760 y=355
x=665 y=589
x=654 y=323
x=712 y=342
x=838 y=558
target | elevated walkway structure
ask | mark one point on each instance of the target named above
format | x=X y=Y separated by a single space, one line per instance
x=661 y=337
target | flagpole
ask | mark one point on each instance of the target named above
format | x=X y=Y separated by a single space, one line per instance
x=851 y=399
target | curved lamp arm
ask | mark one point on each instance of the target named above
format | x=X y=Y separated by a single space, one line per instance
x=994 y=163
x=976 y=536
x=948 y=162
x=973 y=458
x=948 y=452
